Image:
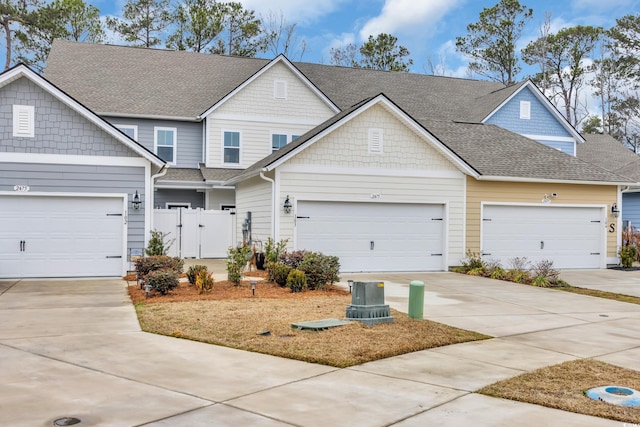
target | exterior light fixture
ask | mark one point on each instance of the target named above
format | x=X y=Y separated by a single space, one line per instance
x=614 y=210
x=136 y=201
x=287 y=205
x=253 y=289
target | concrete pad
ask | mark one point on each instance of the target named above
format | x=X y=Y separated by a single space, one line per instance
x=617 y=281
x=588 y=340
x=483 y=411
x=220 y=416
x=20 y=323
x=440 y=369
x=204 y=370
x=37 y=390
x=346 y=397
x=507 y=325
x=629 y=359
x=504 y=353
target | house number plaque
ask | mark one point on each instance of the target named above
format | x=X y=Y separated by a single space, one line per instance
x=376 y=196
x=21 y=188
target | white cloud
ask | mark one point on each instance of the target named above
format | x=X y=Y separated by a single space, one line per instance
x=301 y=12
x=408 y=16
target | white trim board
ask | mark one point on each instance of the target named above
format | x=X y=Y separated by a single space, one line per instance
x=64 y=159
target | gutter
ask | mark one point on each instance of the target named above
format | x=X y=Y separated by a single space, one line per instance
x=273 y=201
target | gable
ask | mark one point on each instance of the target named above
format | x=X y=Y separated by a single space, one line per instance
x=276 y=93
x=375 y=139
x=541 y=122
x=57 y=128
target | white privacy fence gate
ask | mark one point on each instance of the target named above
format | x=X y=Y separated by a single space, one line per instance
x=198 y=233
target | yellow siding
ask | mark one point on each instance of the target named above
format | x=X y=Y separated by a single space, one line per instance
x=515 y=192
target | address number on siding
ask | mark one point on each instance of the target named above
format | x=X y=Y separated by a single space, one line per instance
x=21 y=188
x=376 y=196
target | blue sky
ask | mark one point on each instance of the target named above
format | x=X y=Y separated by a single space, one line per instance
x=428 y=28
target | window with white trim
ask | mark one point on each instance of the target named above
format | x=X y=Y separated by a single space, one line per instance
x=375 y=140
x=130 y=130
x=525 y=110
x=24 y=121
x=231 y=147
x=280 y=89
x=165 y=143
x=279 y=140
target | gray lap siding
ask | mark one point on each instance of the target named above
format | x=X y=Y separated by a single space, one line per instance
x=64 y=178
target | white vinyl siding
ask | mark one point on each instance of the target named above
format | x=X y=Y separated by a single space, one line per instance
x=23 y=121
x=254 y=196
x=375 y=141
x=231 y=147
x=165 y=143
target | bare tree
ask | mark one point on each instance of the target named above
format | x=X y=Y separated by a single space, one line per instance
x=281 y=36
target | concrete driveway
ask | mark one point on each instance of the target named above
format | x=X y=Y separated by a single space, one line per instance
x=75 y=349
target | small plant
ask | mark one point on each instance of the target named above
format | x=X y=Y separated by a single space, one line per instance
x=519 y=263
x=519 y=276
x=237 y=259
x=498 y=273
x=476 y=272
x=297 y=281
x=162 y=281
x=193 y=271
x=628 y=255
x=157 y=244
x=541 y=282
x=472 y=261
x=544 y=269
x=145 y=265
x=280 y=272
x=272 y=250
x=320 y=269
x=293 y=259
x=204 y=281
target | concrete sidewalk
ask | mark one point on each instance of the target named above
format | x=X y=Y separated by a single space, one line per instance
x=75 y=349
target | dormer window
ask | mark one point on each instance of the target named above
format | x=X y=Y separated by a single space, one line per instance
x=24 y=121
x=525 y=110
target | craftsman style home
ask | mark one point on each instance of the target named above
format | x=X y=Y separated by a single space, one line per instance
x=389 y=171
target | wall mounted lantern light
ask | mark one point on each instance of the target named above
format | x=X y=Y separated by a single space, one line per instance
x=136 y=201
x=287 y=205
x=614 y=210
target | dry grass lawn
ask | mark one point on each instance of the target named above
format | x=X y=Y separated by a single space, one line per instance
x=601 y=294
x=231 y=317
x=563 y=386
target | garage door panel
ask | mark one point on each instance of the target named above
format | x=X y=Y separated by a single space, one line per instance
x=63 y=236
x=569 y=236
x=404 y=236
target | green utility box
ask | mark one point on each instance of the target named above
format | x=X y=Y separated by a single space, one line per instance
x=416 y=299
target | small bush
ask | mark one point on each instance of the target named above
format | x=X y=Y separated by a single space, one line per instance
x=519 y=276
x=520 y=263
x=544 y=269
x=272 y=250
x=157 y=244
x=541 y=282
x=162 y=281
x=477 y=272
x=320 y=269
x=293 y=259
x=280 y=272
x=297 y=281
x=145 y=265
x=498 y=273
x=237 y=259
x=628 y=255
x=472 y=261
x=204 y=281
x=193 y=271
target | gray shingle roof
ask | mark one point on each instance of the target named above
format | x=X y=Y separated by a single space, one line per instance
x=182 y=174
x=608 y=153
x=218 y=174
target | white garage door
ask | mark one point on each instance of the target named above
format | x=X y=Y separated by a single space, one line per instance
x=571 y=237
x=374 y=237
x=43 y=236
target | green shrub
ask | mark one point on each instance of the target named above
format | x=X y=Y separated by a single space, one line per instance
x=627 y=255
x=473 y=261
x=498 y=273
x=541 y=282
x=293 y=259
x=157 y=244
x=297 y=281
x=162 y=281
x=237 y=259
x=280 y=272
x=204 y=281
x=519 y=276
x=272 y=250
x=479 y=271
x=193 y=272
x=320 y=269
x=145 y=265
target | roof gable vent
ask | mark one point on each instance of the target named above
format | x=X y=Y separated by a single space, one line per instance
x=280 y=89
x=375 y=141
x=23 y=121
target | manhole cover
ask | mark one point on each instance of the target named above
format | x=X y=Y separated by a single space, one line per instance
x=66 y=421
x=615 y=395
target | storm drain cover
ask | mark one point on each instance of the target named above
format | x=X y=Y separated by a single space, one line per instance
x=66 y=421
x=319 y=325
x=615 y=395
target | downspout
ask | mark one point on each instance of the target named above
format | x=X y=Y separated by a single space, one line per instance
x=273 y=202
x=162 y=172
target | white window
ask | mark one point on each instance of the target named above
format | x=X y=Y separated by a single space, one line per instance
x=165 y=143
x=130 y=130
x=525 y=110
x=375 y=140
x=231 y=147
x=280 y=89
x=177 y=205
x=279 y=140
x=24 y=121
